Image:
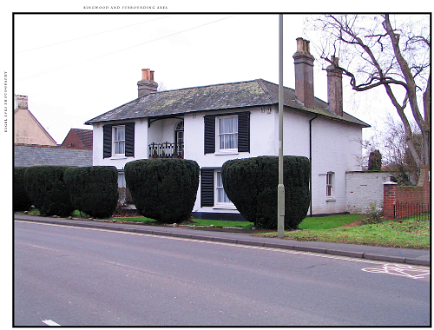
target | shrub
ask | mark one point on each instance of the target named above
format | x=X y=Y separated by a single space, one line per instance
x=374 y=215
x=375 y=161
x=45 y=186
x=93 y=190
x=251 y=184
x=22 y=201
x=163 y=189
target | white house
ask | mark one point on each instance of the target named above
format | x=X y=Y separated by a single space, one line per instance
x=213 y=124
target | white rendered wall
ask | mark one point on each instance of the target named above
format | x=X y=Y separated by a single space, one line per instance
x=336 y=147
x=364 y=188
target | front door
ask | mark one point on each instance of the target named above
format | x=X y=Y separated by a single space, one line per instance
x=179 y=139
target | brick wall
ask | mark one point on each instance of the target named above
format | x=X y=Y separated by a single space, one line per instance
x=408 y=198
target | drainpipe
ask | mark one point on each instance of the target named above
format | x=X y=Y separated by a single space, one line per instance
x=310 y=159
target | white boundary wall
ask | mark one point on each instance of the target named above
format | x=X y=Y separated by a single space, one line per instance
x=364 y=188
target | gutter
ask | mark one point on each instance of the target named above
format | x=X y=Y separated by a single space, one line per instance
x=310 y=159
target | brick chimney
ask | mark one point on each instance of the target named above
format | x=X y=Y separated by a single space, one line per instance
x=303 y=62
x=147 y=85
x=334 y=87
x=22 y=101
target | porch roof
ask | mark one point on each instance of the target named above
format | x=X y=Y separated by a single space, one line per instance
x=237 y=95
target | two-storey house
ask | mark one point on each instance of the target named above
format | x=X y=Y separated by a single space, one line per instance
x=213 y=124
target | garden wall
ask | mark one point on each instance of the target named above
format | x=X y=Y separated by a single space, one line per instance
x=409 y=200
x=364 y=188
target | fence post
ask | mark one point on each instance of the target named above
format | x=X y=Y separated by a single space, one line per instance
x=389 y=199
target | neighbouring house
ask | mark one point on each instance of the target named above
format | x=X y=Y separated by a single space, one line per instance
x=27 y=129
x=33 y=145
x=79 y=139
x=213 y=124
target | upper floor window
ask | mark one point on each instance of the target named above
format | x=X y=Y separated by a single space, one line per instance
x=118 y=140
x=228 y=132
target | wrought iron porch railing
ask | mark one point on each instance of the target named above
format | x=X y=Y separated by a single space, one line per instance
x=166 y=150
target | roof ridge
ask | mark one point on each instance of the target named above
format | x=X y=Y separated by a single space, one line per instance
x=206 y=86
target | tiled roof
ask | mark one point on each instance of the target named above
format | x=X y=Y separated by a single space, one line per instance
x=257 y=92
x=34 y=155
x=85 y=136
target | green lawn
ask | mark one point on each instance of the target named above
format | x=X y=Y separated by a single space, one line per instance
x=405 y=233
x=328 y=222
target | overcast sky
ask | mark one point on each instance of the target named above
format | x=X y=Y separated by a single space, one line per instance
x=75 y=62
x=75 y=67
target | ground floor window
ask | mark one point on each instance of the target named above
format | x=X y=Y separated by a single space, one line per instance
x=222 y=198
x=212 y=190
x=329 y=184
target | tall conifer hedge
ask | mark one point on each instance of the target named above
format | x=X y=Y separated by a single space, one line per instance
x=163 y=189
x=47 y=190
x=93 y=190
x=251 y=184
x=22 y=201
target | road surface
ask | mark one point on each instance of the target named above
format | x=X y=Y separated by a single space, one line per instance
x=73 y=276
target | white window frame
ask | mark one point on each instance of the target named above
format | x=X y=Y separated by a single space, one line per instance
x=220 y=135
x=226 y=203
x=330 y=178
x=118 y=142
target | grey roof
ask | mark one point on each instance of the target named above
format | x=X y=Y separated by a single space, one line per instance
x=237 y=95
x=35 y=155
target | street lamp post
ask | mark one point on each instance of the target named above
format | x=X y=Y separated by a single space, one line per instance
x=281 y=187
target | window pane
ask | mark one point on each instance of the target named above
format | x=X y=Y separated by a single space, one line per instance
x=228 y=132
x=219 y=180
x=119 y=139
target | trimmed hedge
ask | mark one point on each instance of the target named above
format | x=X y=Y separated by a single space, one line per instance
x=22 y=201
x=163 y=189
x=251 y=184
x=93 y=190
x=46 y=187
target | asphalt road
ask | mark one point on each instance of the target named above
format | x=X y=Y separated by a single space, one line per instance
x=74 y=276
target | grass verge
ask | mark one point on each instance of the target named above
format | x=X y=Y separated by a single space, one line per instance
x=194 y=222
x=404 y=233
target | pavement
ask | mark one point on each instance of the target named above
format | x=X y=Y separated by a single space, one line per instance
x=383 y=254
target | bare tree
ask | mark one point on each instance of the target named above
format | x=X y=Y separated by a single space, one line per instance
x=393 y=144
x=392 y=51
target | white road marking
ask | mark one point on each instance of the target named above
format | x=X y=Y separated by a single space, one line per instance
x=51 y=323
x=413 y=272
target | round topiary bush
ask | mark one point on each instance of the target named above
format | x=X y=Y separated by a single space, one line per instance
x=251 y=184
x=46 y=187
x=93 y=190
x=163 y=189
x=22 y=201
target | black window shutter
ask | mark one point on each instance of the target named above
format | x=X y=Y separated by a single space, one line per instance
x=244 y=132
x=207 y=187
x=129 y=139
x=209 y=134
x=107 y=141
